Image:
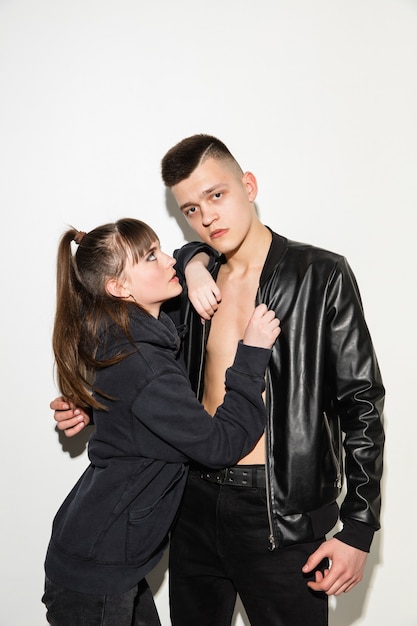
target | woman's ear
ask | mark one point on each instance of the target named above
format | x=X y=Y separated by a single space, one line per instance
x=117 y=289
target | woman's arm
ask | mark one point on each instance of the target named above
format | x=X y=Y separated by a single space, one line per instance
x=194 y=263
x=203 y=292
x=178 y=419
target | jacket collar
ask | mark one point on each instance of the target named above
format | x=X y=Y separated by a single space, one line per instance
x=276 y=251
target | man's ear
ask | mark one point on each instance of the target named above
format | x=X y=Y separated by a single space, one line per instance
x=251 y=185
x=115 y=288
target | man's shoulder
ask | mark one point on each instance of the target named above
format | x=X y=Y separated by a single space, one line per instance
x=312 y=251
x=283 y=248
x=293 y=259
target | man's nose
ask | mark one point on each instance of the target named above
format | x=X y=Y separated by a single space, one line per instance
x=208 y=216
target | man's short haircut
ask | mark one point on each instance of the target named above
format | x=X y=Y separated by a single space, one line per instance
x=181 y=160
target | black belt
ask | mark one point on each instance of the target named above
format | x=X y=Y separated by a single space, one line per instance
x=237 y=476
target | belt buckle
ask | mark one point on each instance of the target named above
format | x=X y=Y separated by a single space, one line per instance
x=231 y=479
x=221 y=476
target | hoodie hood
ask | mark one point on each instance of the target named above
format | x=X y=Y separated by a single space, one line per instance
x=144 y=328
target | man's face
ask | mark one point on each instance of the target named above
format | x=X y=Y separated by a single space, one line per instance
x=217 y=201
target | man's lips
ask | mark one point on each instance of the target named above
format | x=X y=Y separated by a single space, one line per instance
x=218 y=233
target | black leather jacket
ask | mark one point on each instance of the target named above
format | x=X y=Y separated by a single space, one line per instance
x=323 y=387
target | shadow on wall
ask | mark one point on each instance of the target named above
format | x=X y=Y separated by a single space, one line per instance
x=74 y=446
x=174 y=212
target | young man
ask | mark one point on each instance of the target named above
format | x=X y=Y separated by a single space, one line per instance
x=258 y=529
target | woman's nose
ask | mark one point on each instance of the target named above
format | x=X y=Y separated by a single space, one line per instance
x=170 y=260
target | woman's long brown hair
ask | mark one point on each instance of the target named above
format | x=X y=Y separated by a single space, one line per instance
x=84 y=308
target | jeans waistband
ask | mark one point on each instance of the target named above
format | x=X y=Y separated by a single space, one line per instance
x=236 y=476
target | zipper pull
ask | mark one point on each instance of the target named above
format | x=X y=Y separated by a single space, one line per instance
x=272 y=545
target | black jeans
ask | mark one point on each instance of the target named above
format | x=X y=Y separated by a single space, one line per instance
x=71 y=608
x=219 y=547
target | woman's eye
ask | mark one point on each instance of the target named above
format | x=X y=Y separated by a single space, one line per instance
x=152 y=257
x=217 y=195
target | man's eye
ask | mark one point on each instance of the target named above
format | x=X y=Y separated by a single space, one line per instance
x=217 y=195
x=190 y=210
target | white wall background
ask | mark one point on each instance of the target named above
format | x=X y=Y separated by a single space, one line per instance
x=317 y=98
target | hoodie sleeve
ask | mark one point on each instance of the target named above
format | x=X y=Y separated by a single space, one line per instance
x=168 y=407
x=188 y=251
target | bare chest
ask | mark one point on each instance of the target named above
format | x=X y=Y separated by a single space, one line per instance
x=227 y=328
x=229 y=323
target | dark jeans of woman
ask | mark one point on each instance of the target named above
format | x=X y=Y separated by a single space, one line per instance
x=71 y=608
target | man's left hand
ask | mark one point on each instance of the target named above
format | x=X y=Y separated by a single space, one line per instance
x=346 y=569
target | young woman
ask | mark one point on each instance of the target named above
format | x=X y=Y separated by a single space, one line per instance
x=117 y=353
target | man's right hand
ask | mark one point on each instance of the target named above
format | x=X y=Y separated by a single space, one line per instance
x=69 y=418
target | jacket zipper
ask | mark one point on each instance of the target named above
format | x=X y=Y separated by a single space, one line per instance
x=336 y=460
x=200 y=365
x=271 y=538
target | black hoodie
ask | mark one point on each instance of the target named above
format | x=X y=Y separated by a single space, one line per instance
x=112 y=528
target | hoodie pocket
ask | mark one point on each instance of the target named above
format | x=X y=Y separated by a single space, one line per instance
x=148 y=527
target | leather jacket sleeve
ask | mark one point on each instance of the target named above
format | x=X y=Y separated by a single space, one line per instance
x=357 y=396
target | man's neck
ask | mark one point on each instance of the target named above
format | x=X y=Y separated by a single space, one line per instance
x=252 y=252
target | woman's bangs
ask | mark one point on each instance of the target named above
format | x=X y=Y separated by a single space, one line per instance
x=141 y=241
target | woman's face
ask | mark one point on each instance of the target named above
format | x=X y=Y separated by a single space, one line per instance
x=152 y=281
